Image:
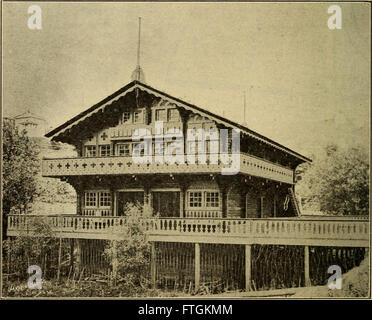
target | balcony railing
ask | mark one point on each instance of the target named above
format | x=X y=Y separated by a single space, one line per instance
x=97 y=212
x=294 y=231
x=126 y=165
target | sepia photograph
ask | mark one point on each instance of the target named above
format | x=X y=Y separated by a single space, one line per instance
x=185 y=150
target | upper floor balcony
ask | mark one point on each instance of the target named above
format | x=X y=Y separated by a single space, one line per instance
x=238 y=163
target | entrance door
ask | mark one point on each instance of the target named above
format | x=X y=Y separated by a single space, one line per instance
x=253 y=206
x=124 y=198
x=166 y=203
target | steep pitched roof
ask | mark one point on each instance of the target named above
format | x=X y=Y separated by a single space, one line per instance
x=136 y=84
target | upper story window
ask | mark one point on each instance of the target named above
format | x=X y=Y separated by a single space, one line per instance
x=126 y=117
x=138 y=149
x=160 y=115
x=90 y=151
x=138 y=116
x=191 y=147
x=159 y=148
x=123 y=149
x=105 y=150
x=173 y=115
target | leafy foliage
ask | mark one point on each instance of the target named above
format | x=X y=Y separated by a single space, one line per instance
x=20 y=167
x=337 y=181
x=131 y=256
x=38 y=246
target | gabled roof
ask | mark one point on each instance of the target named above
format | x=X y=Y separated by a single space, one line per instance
x=28 y=114
x=136 y=84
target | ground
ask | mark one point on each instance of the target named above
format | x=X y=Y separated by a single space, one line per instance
x=355 y=284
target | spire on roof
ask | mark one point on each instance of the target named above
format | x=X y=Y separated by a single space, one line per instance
x=138 y=73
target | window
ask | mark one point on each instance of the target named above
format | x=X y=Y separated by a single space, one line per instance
x=173 y=115
x=96 y=199
x=105 y=150
x=138 y=149
x=124 y=149
x=126 y=117
x=191 y=147
x=104 y=199
x=90 y=151
x=212 y=199
x=173 y=146
x=195 y=199
x=158 y=148
x=160 y=115
x=204 y=199
x=90 y=199
x=137 y=117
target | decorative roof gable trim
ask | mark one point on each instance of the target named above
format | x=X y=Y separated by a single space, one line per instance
x=135 y=84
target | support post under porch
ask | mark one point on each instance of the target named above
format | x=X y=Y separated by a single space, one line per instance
x=307 y=266
x=197 y=266
x=248 y=268
x=77 y=256
x=153 y=265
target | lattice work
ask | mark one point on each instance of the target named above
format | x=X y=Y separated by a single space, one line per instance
x=275 y=267
x=91 y=256
x=222 y=267
x=175 y=265
x=321 y=258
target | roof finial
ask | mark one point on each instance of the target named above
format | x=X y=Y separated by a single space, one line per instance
x=138 y=74
x=139 y=41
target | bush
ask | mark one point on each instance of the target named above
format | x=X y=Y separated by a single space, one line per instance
x=130 y=258
x=39 y=246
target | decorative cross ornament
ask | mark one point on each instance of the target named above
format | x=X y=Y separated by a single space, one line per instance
x=104 y=136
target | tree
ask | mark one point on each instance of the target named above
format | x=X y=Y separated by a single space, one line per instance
x=20 y=167
x=36 y=246
x=338 y=181
x=131 y=256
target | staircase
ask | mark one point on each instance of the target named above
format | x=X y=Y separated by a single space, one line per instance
x=294 y=202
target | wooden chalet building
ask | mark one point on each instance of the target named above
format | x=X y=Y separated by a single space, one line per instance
x=210 y=226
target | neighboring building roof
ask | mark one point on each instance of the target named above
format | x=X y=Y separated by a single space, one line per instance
x=28 y=114
x=136 y=84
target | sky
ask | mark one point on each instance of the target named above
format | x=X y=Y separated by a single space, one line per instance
x=305 y=85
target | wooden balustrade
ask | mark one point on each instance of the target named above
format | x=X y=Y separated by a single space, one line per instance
x=126 y=165
x=277 y=231
x=97 y=212
x=203 y=213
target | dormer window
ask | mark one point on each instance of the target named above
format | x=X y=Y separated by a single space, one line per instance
x=137 y=117
x=160 y=115
x=173 y=115
x=126 y=116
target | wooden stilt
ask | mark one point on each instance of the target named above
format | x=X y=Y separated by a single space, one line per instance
x=248 y=267
x=307 y=266
x=78 y=255
x=153 y=265
x=197 y=266
x=72 y=253
x=59 y=259
x=115 y=261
